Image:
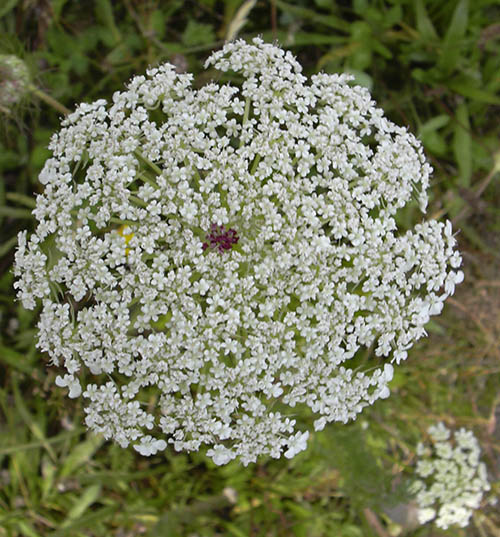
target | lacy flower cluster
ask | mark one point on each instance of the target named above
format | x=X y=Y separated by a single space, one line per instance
x=452 y=480
x=14 y=80
x=209 y=261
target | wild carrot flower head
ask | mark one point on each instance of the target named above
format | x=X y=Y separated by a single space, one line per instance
x=451 y=479
x=14 y=80
x=260 y=253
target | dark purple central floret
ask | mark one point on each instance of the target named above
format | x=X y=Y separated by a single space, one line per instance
x=220 y=238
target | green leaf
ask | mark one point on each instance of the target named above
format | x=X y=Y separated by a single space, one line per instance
x=48 y=473
x=57 y=7
x=309 y=38
x=320 y=18
x=424 y=24
x=15 y=359
x=118 y=55
x=477 y=240
x=158 y=23
x=89 y=39
x=240 y=19
x=61 y=45
x=434 y=143
x=27 y=529
x=435 y=123
x=360 y=6
x=88 y=521
x=23 y=199
x=382 y=50
x=362 y=41
x=104 y=13
x=7 y=246
x=81 y=454
x=89 y=496
x=434 y=327
x=325 y=4
x=8 y=159
x=197 y=33
x=360 y=30
x=79 y=63
x=8 y=6
x=14 y=212
x=454 y=37
x=63 y=437
x=432 y=140
x=361 y=78
x=464 y=88
x=300 y=511
x=462 y=144
x=30 y=421
x=393 y=16
x=234 y=530
x=39 y=156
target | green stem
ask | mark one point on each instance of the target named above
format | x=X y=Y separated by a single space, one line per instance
x=120 y=222
x=152 y=165
x=145 y=177
x=245 y=115
x=196 y=173
x=47 y=99
x=138 y=201
x=255 y=164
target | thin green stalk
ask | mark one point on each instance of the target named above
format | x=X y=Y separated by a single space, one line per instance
x=255 y=164
x=137 y=201
x=47 y=99
x=121 y=222
x=245 y=115
x=152 y=165
x=145 y=177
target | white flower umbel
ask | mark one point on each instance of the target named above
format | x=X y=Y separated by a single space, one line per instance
x=208 y=259
x=451 y=481
x=14 y=80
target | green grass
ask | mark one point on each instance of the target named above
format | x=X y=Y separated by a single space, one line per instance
x=432 y=66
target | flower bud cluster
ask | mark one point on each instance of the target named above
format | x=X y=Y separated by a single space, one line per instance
x=14 y=80
x=451 y=481
x=207 y=260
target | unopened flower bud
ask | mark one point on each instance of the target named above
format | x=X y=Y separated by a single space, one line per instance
x=14 y=80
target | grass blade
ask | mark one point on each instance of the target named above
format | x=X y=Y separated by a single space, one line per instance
x=462 y=146
x=454 y=37
x=89 y=496
x=424 y=24
x=81 y=454
x=320 y=18
x=240 y=19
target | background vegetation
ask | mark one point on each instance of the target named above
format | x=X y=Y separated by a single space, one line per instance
x=432 y=65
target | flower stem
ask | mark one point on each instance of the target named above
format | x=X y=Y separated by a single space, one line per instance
x=47 y=99
x=121 y=222
x=152 y=165
x=137 y=201
x=246 y=114
x=145 y=177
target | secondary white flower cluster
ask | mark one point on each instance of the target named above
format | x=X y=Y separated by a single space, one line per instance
x=14 y=80
x=452 y=480
x=209 y=258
